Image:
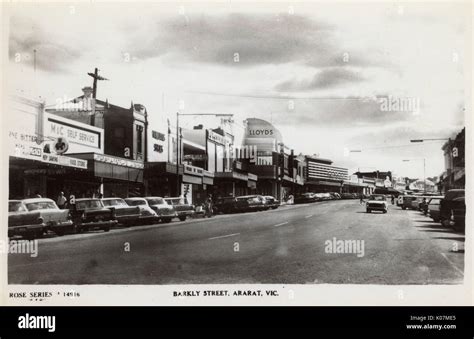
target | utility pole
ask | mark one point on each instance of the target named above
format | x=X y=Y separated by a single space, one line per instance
x=96 y=77
x=178 y=184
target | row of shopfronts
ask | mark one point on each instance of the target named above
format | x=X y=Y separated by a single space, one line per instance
x=100 y=149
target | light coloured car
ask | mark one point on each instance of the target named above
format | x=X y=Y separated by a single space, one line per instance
x=165 y=211
x=377 y=202
x=125 y=215
x=147 y=214
x=22 y=222
x=56 y=220
x=433 y=208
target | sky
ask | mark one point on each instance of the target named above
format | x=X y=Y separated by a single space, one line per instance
x=328 y=76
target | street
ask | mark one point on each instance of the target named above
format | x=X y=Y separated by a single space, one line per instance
x=287 y=245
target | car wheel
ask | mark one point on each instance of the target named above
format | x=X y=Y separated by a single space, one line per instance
x=385 y=211
x=59 y=233
x=182 y=218
x=167 y=220
x=369 y=211
x=106 y=229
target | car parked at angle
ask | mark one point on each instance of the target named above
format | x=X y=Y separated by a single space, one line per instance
x=271 y=202
x=347 y=196
x=56 y=220
x=335 y=195
x=249 y=203
x=166 y=212
x=376 y=202
x=305 y=198
x=433 y=208
x=21 y=222
x=181 y=206
x=147 y=214
x=408 y=201
x=91 y=214
x=126 y=215
x=452 y=209
x=424 y=203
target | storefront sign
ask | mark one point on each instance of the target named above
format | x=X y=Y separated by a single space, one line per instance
x=82 y=138
x=118 y=161
x=252 y=177
x=24 y=146
x=193 y=170
x=64 y=161
x=213 y=136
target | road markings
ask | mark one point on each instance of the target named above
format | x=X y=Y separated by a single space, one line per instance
x=283 y=223
x=224 y=236
x=308 y=216
x=452 y=264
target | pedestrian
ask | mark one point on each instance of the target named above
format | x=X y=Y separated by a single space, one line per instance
x=209 y=206
x=393 y=199
x=61 y=202
x=361 y=196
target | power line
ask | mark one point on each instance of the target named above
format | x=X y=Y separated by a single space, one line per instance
x=286 y=97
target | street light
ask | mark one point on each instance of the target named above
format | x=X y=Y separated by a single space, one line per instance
x=424 y=171
x=178 y=157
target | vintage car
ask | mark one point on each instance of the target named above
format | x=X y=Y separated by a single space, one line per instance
x=423 y=207
x=55 y=219
x=335 y=195
x=228 y=205
x=408 y=201
x=125 y=215
x=459 y=214
x=147 y=214
x=182 y=208
x=376 y=202
x=433 y=208
x=165 y=211
x=305 y=198
x=249 y=203
x=22 y=222
x=271 y=202
x=91 y=214
x=449 y=204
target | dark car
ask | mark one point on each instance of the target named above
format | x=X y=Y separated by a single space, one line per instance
x=347 y=196
x=408 y=201
x=450 y=205
x=306 y=198
x=90 y=214
x=21 y=222
x=126 y=215
x=459 y=213
x=229 y=205
x=181 y=207
x=271 y=202
x=249 y=203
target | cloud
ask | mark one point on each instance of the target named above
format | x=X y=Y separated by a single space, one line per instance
x=26 y=37
x=326 y=78
x=254 y=39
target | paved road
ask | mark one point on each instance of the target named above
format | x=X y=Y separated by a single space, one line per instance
x=288 y=245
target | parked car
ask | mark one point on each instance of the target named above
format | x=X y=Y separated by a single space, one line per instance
x=459 y=213
x=249 y=203
x=449 y=204
x=377 y=202
x=347 y=196
x=305 y=198
x=408 y=201
x=424 y=203
x=335 y=195
x=225 y=205
x=55 y=219
x=166 y=212
x=90 y=214
x=126 y=215
x=271 y=202
x=182 y=208
x=433 y=208
x=147 y=214
x=22 y=222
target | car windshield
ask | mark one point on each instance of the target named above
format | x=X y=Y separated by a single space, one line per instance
x=114 y=202
x=136 y=202
x=156 y=201
x=16 y=206
x=89 y=204
x=377 y=197
x=177 y=201
x=41 y=205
